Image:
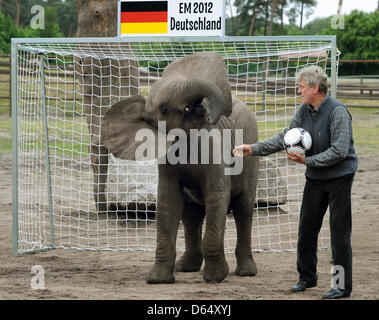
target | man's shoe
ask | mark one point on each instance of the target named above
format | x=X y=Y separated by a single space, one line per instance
x=302 y=285
x=336 y=294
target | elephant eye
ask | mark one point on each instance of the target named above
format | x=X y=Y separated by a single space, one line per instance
x=198 y=101
x=165 y=110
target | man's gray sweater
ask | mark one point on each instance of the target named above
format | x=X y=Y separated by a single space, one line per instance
x=332 y=154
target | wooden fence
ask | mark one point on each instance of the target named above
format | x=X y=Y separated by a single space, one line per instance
x=5 y=90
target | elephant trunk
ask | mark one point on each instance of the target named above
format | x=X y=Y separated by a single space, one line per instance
x=193 y=89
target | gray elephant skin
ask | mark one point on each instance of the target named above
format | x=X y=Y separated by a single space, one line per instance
x=193 y=93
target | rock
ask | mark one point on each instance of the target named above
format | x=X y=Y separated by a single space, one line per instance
x=132 y=183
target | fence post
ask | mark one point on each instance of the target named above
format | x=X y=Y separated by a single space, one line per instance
x=333 y=68
x=46 y=131
x=13 y=77
x=10 y=85
x=361 y=82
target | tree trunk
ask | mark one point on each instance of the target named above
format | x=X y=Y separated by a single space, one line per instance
x=266 y=19
x=69 y=35
x=281 y=19
x=17 y=17
x=232 y=18
x=301 y=15
x=104 y=81
x=251 y=30
x=339 y=10
x=274 y=5
x=97 y=18
x=271 y=19
x=237 y=18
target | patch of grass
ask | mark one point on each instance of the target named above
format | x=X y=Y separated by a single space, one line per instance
x=364 y=113
x=4 y=107
x=359 y=102
x=5 y=135
x=366 y=133
x=68 y=139
x=5 y=125
x=6 y=145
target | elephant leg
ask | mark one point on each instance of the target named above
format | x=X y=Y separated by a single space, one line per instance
x=99 y=161
x=169 y=210
x=243 y=212
x=215 y=268
x=192 y=217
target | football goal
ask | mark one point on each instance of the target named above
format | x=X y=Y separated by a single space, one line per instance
x=64 y=196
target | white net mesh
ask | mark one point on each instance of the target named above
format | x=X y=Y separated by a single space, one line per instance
x=63 y=89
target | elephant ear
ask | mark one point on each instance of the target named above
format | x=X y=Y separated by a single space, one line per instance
x=126 y=133
x=208 y=66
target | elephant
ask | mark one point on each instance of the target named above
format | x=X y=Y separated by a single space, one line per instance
x=193 y=93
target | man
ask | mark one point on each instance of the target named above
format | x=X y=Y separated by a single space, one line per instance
x=330 y=167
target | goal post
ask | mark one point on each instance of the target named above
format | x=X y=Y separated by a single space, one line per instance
x=61 y=88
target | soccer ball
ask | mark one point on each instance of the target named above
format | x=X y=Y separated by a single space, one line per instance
x=297 y=140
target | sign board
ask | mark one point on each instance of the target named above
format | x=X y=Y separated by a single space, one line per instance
x=171 y=18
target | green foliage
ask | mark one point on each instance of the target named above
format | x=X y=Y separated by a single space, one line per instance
x=9 y=8
x=254 y=17
x=358 y=40
x=9 y=30
x=51 y=29
x=292 y=30
x=301 y=7
x=66 y=16
x=316 y=26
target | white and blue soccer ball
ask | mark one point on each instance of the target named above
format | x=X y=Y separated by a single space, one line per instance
x=297 y=140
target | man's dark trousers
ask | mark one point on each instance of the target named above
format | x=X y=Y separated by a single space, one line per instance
x=318 y=194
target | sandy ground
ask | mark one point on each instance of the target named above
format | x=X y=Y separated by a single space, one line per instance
x=121 y=275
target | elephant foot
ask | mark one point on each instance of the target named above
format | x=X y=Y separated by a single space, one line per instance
x=189 y=262
x=215 y=269
x=160 y=273
x=246 y=266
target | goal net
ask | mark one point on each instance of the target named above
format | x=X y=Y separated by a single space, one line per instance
x=61 y=90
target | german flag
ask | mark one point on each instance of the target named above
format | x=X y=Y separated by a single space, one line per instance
x=143 y=17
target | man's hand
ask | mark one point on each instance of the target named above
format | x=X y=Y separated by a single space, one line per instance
x=243 y=150
x=299 y=158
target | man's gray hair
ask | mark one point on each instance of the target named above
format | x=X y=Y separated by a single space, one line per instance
x=313 y=75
